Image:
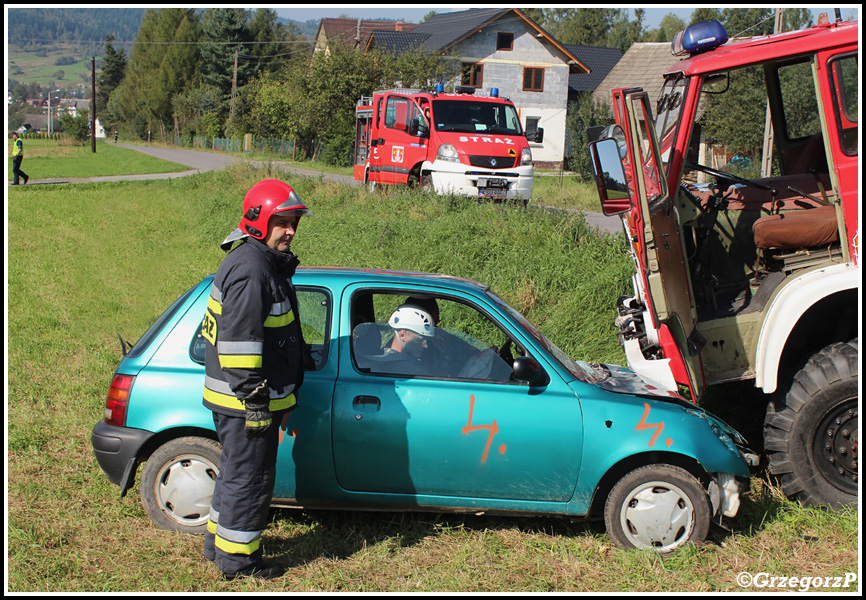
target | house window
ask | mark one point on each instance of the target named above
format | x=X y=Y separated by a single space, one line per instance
x=473 y=74
x=504 y=40
x=533 y=80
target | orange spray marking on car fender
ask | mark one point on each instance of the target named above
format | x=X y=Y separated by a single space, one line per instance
x=659 y=426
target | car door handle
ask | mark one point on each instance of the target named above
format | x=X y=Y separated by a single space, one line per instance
x=366 y=401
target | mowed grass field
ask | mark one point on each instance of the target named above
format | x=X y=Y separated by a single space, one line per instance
x=89 y=261
x=50 y=159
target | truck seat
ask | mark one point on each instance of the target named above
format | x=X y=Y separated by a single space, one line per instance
x=807 y=228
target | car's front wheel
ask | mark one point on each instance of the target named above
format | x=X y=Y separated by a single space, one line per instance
x=658 y=507
x=177 y=483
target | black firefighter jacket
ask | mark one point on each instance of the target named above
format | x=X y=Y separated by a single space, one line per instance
x=252 y=329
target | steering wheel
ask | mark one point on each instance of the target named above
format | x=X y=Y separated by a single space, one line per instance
x=733 y=178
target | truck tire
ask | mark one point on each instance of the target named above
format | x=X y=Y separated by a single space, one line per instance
x=811 y=436
x=177 y=483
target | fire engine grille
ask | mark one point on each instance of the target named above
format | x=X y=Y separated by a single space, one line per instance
x=493 y=162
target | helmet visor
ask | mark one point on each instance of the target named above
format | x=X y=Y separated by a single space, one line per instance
x=294 y=206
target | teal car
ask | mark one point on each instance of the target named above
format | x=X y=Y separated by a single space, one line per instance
x=501 y=421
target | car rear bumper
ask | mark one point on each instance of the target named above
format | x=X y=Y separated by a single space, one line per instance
x=117 y=450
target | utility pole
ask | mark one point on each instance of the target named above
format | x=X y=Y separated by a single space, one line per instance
x=234 y=85
x=767 y=155
x=93 y=104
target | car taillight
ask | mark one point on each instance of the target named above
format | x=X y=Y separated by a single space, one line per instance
x=118 y=400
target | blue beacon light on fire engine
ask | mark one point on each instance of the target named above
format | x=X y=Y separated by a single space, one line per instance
x=699 y=37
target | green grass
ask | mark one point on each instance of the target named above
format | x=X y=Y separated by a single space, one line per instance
x=46 y=159
x=27 y=67
x=88 y=261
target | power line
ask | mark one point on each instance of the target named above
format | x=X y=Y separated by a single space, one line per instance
x=116 y=42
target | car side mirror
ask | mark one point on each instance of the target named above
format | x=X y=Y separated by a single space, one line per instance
x=527 y=369
x=610 y=176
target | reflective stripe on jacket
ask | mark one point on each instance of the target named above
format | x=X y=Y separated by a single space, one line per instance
x=252 y=330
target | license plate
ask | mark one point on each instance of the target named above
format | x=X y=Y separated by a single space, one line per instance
x=492 y=193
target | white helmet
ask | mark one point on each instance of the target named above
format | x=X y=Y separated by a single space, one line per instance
x=409 y=316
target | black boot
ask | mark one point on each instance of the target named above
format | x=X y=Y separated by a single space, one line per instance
x=270 y=571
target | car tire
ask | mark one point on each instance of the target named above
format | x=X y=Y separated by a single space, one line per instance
x=658 y=507
x=177 y=483
x=811 y=435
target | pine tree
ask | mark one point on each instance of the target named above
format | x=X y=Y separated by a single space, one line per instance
x=110 y=74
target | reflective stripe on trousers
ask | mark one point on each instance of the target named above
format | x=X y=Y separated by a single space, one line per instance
x=242 y=496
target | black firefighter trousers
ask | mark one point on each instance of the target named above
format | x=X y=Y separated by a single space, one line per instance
x=242 y=496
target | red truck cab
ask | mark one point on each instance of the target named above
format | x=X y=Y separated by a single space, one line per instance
x=462 y=143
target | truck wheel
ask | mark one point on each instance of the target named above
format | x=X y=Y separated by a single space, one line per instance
x=812 y=435
x=658 y=507
x=177 y=484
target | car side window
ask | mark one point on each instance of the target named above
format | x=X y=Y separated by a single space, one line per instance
x=463 y=344
x=314 y=311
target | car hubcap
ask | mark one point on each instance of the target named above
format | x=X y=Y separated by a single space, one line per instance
x=657 y=515
x=185 y=487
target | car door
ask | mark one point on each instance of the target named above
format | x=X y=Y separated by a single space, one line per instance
x=400 y=147
x=468 y=432
x=661 y=249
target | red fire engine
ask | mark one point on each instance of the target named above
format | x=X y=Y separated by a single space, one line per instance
x=462 y=143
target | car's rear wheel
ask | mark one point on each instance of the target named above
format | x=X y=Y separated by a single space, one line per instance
x=658 y=507
x=177 y=483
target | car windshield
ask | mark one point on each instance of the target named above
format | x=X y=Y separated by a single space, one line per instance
x=580 y=369
x=467 y=116
x=669 y=111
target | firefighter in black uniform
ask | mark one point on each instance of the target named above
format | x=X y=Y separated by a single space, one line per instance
x=253 y=369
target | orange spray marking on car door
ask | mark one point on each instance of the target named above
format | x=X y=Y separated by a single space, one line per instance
x=493 y=429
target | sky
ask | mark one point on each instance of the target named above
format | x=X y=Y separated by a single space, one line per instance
x=414 y=14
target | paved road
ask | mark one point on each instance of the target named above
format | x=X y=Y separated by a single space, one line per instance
x=199 y=162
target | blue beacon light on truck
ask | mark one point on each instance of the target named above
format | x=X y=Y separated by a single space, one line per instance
x=699 y=37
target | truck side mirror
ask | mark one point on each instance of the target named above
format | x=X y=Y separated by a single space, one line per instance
x=613 y=184
x=418 y=129
x=536 y=136
x=526 y=368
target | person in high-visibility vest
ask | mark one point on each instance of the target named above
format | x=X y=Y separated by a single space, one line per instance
x=253 y=369
x=17 y=157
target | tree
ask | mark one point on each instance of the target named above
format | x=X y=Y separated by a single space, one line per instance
x=77 y=128
x=164 y=62
x=226 y=32
x=586 y=26
x=668 y=27
x=111 y=73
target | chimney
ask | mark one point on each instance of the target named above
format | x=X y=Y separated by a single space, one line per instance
x=398 y=26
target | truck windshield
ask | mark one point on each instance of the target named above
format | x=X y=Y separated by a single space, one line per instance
x=468 y=116
x=669 y=110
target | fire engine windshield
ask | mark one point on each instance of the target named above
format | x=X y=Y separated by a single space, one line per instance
x=669 y=110
x=467 y=116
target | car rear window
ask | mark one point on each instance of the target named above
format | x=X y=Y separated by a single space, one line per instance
x=154 y=330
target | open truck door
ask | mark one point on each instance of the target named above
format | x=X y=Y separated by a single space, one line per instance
x=628 y=166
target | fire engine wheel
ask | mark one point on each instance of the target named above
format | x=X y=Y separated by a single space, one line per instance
x=371 y=185
x=177 y=484
x=812 y=435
